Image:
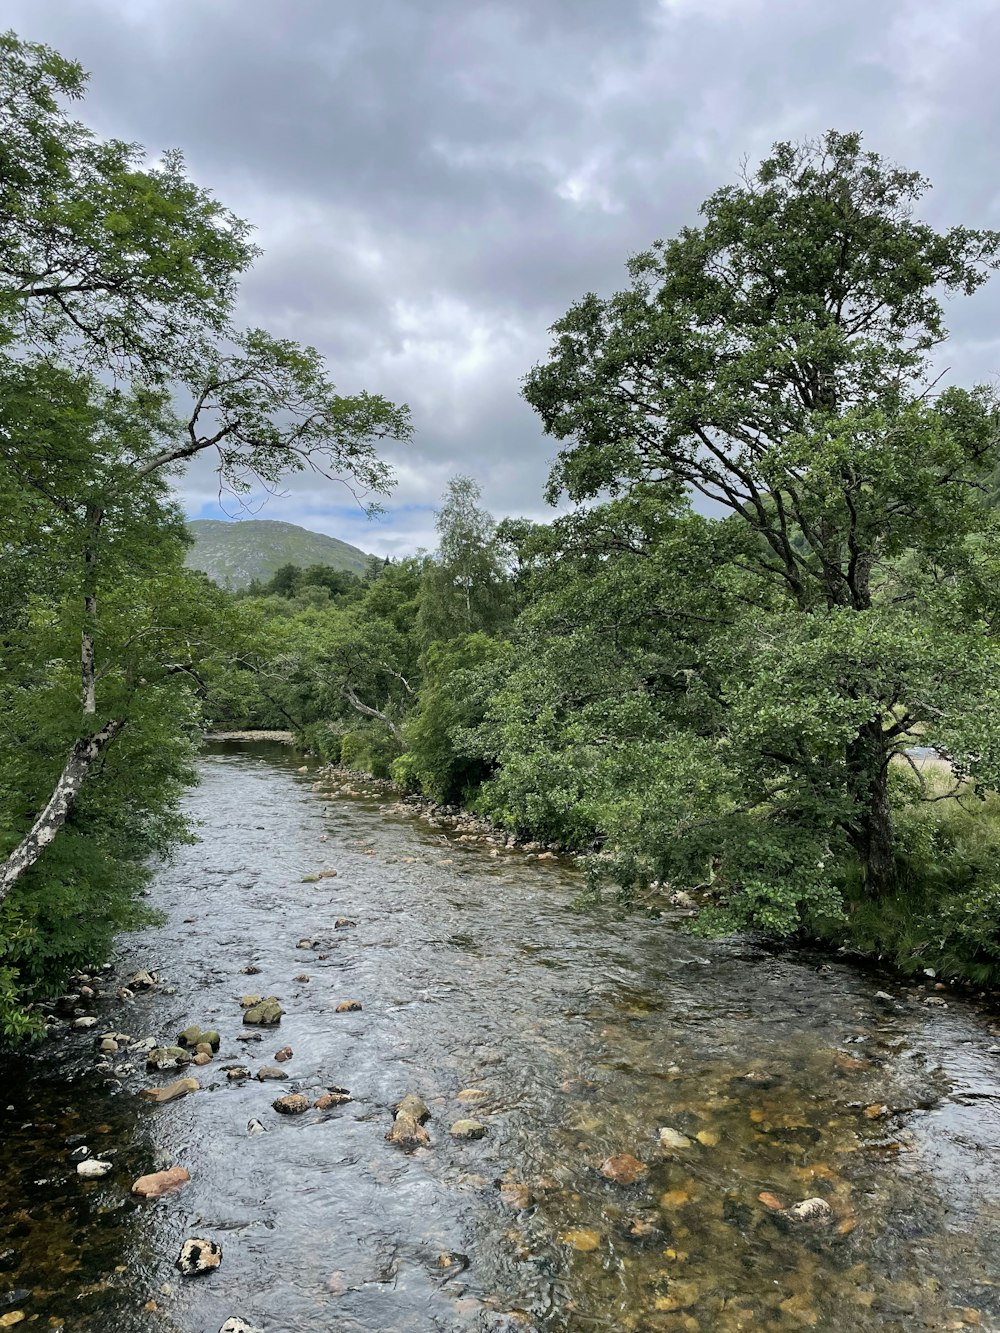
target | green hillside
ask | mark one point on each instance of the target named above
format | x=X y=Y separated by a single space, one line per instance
x=234 y=553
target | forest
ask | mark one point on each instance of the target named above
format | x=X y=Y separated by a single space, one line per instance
x=767 y=594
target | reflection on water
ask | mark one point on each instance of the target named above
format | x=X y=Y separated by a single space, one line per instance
x=574 y=1038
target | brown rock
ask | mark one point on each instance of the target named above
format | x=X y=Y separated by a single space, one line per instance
x=293 y=1103
x=624 y=1169
x=303 y=976
x=236 y=1073
x=248 y=1001
x=344 y=923
x=171 y=1091
x=335 y=1098
x=267 y=1072
x=771 y=1201
x=202 y=1059
x=204 y=1048
x=407 y=1131
x=348 y=1007
x=161 y=1182
x=284 y=1054
x=516 y=1195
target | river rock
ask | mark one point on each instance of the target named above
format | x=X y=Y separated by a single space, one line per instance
x=810 y=1212
x=237 y=1072
x=407 y=1131
x=248 y=1001
x=265 y=1014
x=414 y=1106
x=673 y=1139
x=92 y=1169
x=108 y=1046
x=144 y=980
x=171 y=1092
x=158 y=1183
x=516 y=1195
x=167 y=1057
x=237 y=1325
x=293 y=1103
x=271 y=1072
x=335 y=1097
x=468 y=1129
x=82 y=1024
x=202 y=1059
x=623 y=1169
x=284 y=1054
x=348 y=1007
x=302 y=976
x=199 y=1256
x=251 y=970
x=80 y=1154
x=344 y=923
x=192 y=1037
x=255 y=1127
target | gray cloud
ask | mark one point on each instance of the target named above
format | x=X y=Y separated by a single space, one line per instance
x=434 y=183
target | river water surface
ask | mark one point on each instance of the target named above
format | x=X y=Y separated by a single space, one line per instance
x=582 y=1035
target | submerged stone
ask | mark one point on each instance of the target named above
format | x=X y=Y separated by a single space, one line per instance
x=170 y=1092
x=468 y=1129
x=199 y=1256
x=158 y=1183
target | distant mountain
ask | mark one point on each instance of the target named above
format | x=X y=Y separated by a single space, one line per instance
x=233 y=554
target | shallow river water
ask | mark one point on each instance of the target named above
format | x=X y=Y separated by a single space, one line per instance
x=585 y=1034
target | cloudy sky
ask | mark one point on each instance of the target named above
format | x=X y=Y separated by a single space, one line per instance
x=435 y=181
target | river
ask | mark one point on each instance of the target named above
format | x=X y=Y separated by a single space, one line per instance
x=581 y=1036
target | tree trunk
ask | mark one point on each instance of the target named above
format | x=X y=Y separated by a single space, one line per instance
x=871 y=831
x=59 y=805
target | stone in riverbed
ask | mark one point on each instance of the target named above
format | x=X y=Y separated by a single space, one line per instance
x=284 y=1054
x=199 y=1256
x=255 y=1127
x=673 y=1139
x=202 y=1058
x=167 y=1057
x=293 y=1103
x=623 y=1169
x=413 y=1106
x=302 y=976
x=236 y=1073
x=267 y=1072
x=468 y=1129
x=82 y=1024
x=251 y=970
x=92 y=1169
x=265 y=1014
x=810 y=1212
x=344 y=923
x=171 y=1091
x=408 y=1132
x=158 y=1183
x=335 y=1097
x=248 y=1001
x=143 y=980
x=348 y=1007
x=108 y=1046
x=192 y=1037
x=237 y=1325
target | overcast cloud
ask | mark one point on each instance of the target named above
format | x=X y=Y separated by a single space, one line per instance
x=435 y=181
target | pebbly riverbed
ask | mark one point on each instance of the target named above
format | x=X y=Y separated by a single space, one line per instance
x=654 y=1107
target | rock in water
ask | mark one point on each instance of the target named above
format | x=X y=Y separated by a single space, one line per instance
x=284 y=1054
x=157 y=1184
x=414 y=1106
x=193 y=1037
x=344 y=923
x=407 y=1131
x=143 y=981
x=335 y=1097
x=272 y=1072
x=167 y=1057
x=238 y=1325
x=255 y=1126
x=348 y=1007
x=293 y=1103
x=92 y=1169
x=265 y=1014
x=467 y=1129
x=81 y=1024
x=624 y=1169
x=809 y=1211
x=673 y=1139
x=171 y=1091
x=199 y=1256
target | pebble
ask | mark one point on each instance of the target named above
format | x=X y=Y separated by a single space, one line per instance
x=809 y=1210
x=81 y=1024
x=199 y=1256
x=158 y=1183
x=293 y=1103
x=673 y=1138
x=202 y=1059
x=171 y=1091
x=468 y=1129
x=348 y=1007
x=92 y=1169
x=623 y=1169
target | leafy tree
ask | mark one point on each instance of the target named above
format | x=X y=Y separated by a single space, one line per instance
x=776 y=361
x=466 y=589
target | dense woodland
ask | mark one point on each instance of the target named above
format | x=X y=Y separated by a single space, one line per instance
x=773 y=576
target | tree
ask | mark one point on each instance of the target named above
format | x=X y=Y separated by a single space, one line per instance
x=776 y=360
x=466 y=589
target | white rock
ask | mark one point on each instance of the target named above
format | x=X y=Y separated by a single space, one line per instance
x=255 y=1127
x=238 y=1325
x=92 y=1169
x=673 y=1138
x=81 y=1024
x=810 y=1210
x=199 y=1256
